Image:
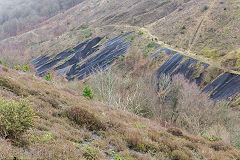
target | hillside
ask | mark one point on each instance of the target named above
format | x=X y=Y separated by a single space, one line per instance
x=69 y=126
x=185 y=25
x=123 y=80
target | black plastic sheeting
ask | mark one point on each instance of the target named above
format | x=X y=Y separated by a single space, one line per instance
x=175 y=65
x=78 y=62
x=101 y=61
x=225 y=86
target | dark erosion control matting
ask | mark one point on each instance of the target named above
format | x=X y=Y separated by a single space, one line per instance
x=179 y=64
x=84 y=59
x=225 y=86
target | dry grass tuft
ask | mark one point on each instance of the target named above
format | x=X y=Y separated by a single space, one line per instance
x=84 y=118
x=179 y=155
x=9 y=84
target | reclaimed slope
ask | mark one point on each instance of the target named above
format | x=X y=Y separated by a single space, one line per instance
x=84 y=59
x=225 y=86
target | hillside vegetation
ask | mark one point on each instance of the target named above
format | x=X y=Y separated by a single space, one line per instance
x=65 y=125
x=128 y=111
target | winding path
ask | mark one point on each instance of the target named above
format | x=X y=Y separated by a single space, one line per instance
x=188 y=53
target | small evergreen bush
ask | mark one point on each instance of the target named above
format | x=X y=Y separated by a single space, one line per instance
x=87 y=92
x=15 y=118
x=48 y=76
x=26 y=68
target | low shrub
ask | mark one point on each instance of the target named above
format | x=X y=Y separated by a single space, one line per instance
x=26 y=68
x=140 y=33
x=91 y=153
x=87 y=92
x=175 y=131
x=84 y=119
x=13 y=86
x=179 y=155
x=212 y=138
x=48 y=76
x=15 y=118
x=211 y=53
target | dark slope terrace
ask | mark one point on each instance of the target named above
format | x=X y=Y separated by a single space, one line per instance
x=225 y=86
x=84 y=59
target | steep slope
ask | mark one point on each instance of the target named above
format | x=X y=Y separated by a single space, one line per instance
x=209 y=29
x=72 y=127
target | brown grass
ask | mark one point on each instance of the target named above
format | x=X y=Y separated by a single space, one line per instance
x=85 y=119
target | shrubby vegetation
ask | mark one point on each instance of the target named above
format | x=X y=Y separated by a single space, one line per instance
x=87 y=92
x=184 y=105
x=176 y=102
x=125 y=93
x=20 y=15
x=70 y=127
x=15 y=118
x=48 y=76
x=22 y=68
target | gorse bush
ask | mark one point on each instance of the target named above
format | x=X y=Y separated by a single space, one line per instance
x=15 y=118
x=87 y=92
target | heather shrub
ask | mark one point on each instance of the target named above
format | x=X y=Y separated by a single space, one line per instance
x=84 y=119
x=15 y=118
